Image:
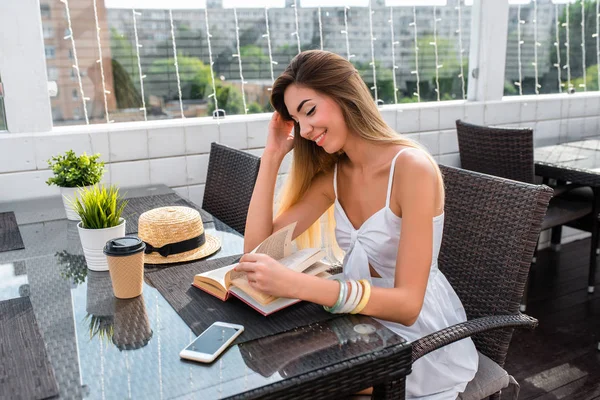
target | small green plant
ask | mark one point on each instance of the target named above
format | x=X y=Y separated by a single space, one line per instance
x=73 y=171
x=99 y=207
x=73 y=266
x=101 y=326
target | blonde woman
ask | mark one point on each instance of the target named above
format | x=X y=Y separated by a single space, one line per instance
x=386 y=196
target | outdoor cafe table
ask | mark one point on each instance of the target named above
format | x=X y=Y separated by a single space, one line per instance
x=577 y=162
x=305 y=363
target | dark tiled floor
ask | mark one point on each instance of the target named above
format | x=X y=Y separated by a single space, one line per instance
x=559 y=359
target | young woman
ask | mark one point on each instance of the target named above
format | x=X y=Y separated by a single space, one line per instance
x=387 y=198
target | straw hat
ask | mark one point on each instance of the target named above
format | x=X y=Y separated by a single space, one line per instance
x=170 y=231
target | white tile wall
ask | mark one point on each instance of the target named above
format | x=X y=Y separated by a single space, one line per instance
x=17 y=154
x=389 y=115
x=179 y=149
x=182 y=191
x=197 y=167
x=546 y=133
x=590 y=126
x=474 y=113
x=166 y=142
x=548 y=109
x=528 y=111
x=449 y=114
x=24 y=185
x=575 y=128
x=502 y=112
x=448 y=142
x=257 y=133
x=49 y=144
x=592 y=106
x=577 y=107
x=234 y=134
x=128 y=145
x=431 y=141
x=196 y=194
x=408 y=120
x=100 y=145
x=168 y=171
x=429 y=119
x=199 y=137
x=286 y=164
x=131 y=173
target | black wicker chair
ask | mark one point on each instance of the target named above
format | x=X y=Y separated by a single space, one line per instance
x=490 y=232
x=229 y=184
x=508 y=153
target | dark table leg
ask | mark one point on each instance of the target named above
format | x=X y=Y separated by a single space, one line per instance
x=594 y=245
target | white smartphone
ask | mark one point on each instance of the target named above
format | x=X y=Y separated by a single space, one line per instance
x=212 y=342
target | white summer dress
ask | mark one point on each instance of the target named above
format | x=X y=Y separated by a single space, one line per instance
x=441 y=374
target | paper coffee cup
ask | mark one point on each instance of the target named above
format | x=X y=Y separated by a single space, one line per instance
x=125 y=256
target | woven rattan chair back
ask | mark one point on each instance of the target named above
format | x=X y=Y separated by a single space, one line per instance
x=504 y=152
x=230 y=181
x=490 y=232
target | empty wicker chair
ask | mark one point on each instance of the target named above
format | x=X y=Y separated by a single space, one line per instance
x=230 y=181
x=490 y=232
x=508 y=153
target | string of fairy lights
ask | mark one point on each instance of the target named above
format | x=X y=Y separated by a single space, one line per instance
x=372 y=63
x=75 y=65
x=562 y=43
x=394 y=43
x=238 y=55
x=175 y=62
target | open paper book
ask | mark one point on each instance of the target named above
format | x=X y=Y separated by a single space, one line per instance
x=223 y=281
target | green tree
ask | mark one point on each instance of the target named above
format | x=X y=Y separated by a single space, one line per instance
x=447 y=75
x=194 y=76
x=592 y=79
x=125 y=72
x=229 y=98
x=255 y=62
x=385 y=80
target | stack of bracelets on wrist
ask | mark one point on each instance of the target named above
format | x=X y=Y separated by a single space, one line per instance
x=351 y=301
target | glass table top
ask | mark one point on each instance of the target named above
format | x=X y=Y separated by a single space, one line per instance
x=102 y=347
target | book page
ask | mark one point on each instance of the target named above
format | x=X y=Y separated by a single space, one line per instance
x=317 y=268
x=302 y=259
x=217 y=275
x=244 y=285
x=279 y=244
x=264 y=309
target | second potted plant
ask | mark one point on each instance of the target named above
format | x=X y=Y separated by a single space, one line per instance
x=100 y=211
x=72 y=172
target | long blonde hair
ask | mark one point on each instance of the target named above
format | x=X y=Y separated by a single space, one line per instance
x=335 y=77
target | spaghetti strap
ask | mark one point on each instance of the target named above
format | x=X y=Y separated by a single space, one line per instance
x=391 y=178
x=335 y=180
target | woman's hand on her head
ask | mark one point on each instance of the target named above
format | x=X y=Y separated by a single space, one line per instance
x=281 y=136
x=267 y=275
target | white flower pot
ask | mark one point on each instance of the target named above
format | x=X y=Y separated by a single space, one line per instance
x=68 y=195
x=93 y=241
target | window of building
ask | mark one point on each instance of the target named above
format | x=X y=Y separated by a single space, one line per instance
x=45 y=10
x=75 y=94
x=52 y=73
x=50 y=52
x=48 y=32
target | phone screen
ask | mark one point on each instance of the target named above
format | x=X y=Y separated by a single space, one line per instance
x=212 y=339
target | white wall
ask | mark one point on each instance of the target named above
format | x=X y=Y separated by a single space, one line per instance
x=175 y=152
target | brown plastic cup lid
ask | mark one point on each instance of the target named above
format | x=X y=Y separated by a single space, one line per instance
x=124 y=246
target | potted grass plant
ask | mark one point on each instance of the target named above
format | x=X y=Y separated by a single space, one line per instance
x=72 y=172
x=99 y=209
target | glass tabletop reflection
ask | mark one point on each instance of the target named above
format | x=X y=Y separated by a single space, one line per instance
x=103 y=347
